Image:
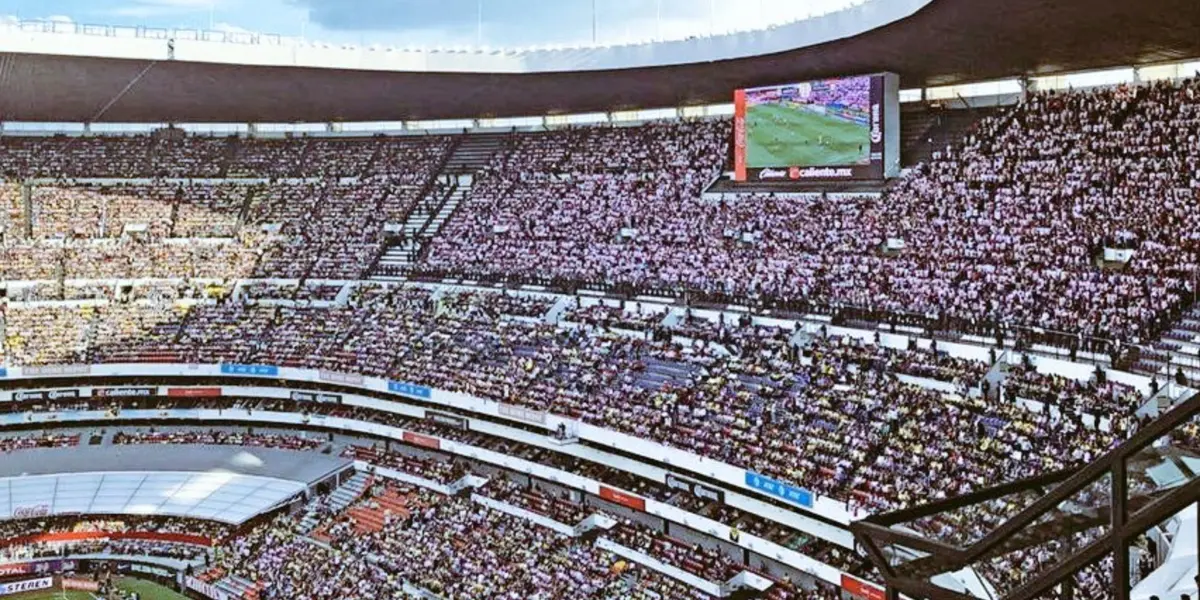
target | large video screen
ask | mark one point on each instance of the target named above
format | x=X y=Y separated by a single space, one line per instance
x=827 y=129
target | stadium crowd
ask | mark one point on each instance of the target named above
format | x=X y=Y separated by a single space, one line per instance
x=218 y=438
x=706 y=563
x=455 y=548
x=1014 y=228
x=535 y=499
x=45 y=440
x=564 y=510
x=301 y=208
x=131 y=547
x=433 y=469
x=22 y=539
x=198 y=157
x=1007 y=229
x=539 y=497
x=833 y=416
x=12 y=530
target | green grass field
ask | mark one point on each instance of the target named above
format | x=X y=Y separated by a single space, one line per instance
x=146 y=589
x=53 y=595
x=149 y=590
x=782 y=136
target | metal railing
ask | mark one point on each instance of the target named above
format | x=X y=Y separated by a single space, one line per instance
x=1070 y=345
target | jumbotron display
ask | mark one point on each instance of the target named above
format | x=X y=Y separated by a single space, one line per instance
x=845 y=128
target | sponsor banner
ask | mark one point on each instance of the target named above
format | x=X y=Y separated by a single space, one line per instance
x=31 y=511
x=124 y=392
x=200 y=392
x=3 y=373
x=53 y=417
x=410 y=389
x=739 y=135
x=520 y=413
x=151 y=570
x=317 y=397
x=87 y=585
x=255 y=370
x=155 y=536
x=445 y=419
x=623 y=498
x=44 y=395
x=424 y=441
x=18 y=569
x=1123 y=255
x=344 y=378
x=677 y=483
x=860 y=589
x=33 y=568
x=698 y=490
x=28 y=585
x=170 y=414
x=783 y=491
x=205 y=589
x=56 y=370
x=811 y=173
x=80 y=536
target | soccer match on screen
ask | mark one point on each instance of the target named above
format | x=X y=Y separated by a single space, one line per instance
x=813 y=124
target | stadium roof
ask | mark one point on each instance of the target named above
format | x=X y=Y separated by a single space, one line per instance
x=214 y=495
x=304 y=467
x=951 y=41
x=222 y=483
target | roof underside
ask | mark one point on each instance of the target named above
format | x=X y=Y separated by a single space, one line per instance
x=952 y=41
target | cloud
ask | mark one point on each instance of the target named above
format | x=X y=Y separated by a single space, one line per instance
x=535 y=22
x=384 y=15
x=144 y=9
x=230 y=28
x=403 y=23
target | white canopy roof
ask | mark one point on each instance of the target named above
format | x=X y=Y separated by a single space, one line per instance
x=215 y=495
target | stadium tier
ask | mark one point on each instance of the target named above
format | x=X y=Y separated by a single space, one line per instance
x=726 y=390
x=555 y=364
x=1007 y=230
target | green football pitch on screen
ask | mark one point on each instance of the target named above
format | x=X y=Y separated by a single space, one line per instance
x=779 y=135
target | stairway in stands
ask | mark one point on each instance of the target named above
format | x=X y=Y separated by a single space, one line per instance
x=460 y=191
x=342 y=497
x=423 y=224
x=348 y=493
x=915 y=121
x=935 y=129
x=369 y=516
x=237 y=586
x=1177 y=351
x=473 y=153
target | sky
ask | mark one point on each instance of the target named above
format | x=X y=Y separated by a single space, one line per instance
x=425 y=23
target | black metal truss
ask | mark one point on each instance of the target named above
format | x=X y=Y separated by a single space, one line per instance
x=1126 y=517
